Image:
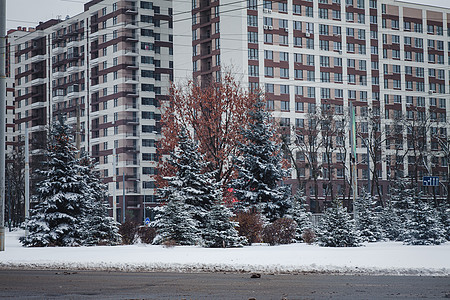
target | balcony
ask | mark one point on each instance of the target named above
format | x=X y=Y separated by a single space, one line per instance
x=132 y=80
x=58 y=98
x=131 y=52
x=38 y=81
x=73 y=44
x=134 y=162
x=132 y=93
x=131 y=107
x=132 y=121
x=58 y=74
x=131 y=25
x=131 y=37
x=36 y=105
x=93 y=36
x=94 y=61
x=37 y=58
x=73 y=69
x=132 y=134
x=95 y=87
x=131 y=10
x=57 y=50
x=132 y=65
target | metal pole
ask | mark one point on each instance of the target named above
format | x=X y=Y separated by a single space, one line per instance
x=2 y=119
x=123 y=195
x=27 y=175
x=353 y=157
x=114 y=186
x=368 y=167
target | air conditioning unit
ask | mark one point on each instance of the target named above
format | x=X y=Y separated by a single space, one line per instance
x=308 y=34
x=266 y=26
x=335 y=34
x=270 y=27
x=286 y=29
x=267 y=10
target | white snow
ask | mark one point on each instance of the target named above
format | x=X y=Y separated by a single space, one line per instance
x=374 y=258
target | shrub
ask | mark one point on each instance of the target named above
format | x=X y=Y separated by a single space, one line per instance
x=169 y=243
x=282 y=231
x=128 y=231
x=250 y=226
x=308 y=236
x=146 y=234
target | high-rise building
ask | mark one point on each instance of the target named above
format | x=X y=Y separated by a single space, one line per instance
x=105 y=71
x=315 y=59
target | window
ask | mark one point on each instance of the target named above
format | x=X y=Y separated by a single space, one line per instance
x=299 y=106
x=253 y=71
x=268 y=54
x=323 y=13
x=252 y=20
x=297 y=9
x=253 y=37
x=268 y=38
x=284 y=72
x=252 y=54
x=284 y=89
x=268 y=71
x=297 y=25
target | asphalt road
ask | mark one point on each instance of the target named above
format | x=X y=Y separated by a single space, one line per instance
x=36 y=284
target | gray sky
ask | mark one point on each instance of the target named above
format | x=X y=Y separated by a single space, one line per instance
x=28 y=13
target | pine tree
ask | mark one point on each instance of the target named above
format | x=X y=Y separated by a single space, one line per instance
x=424 y=227
x=298 y=212
x=174 y=221
x=57 y=217
x=337 y=229
x=367 y=219
x=260 y=170
x=220 y=230
x=99 y=228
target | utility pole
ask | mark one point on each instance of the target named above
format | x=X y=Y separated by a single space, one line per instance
x=353 y=158
x=114 y=185
x=2 y=119
x=123 y=196
x=27 y=175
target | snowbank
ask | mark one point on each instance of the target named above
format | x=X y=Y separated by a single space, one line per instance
x=375 y=258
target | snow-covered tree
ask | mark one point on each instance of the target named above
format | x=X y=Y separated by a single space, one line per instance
x=198 y=187
x=99 y=228
x=444 y=217
x=174 y=221
x=367 y=219
x=58 y=215
x=298 y=212
x=337 y=228
x=390 y=223
x=424 y=227
x=220 y=230
x=259 y=169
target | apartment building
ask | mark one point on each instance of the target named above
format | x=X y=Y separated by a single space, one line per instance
x=105 y=71
x=387 y=59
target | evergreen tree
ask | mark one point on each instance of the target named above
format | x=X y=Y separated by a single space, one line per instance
x=298 y=212
x=337 y=229
x=259 y=169
x=424 y=227
x=403 y=200
x=198 y=189
x=367 y=219
x=99 y=228
x=174 y=221
x=444 y=217
x=220 y=230
x=57 y=217
x=390 y=224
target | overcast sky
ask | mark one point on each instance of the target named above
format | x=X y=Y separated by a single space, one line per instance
x=28 y=13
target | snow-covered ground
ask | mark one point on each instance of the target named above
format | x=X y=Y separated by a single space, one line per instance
x=374 y=258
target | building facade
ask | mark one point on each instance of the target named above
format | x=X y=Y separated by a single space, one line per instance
x=105 y=71
x=315 y=59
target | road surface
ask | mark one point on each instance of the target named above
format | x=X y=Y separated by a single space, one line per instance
x=37 y=284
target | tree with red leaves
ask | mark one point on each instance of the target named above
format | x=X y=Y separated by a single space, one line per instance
x=214 y=115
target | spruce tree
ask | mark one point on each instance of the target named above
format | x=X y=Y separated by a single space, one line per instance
x=58 y=215
x=220 y=230
x=197 y=187
x=174 y=221
x=424 y=227
x=259 y=169
x=337 y=228
x=99 y=228
x=391 y=225
x=298 y=212
x=367 y=220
